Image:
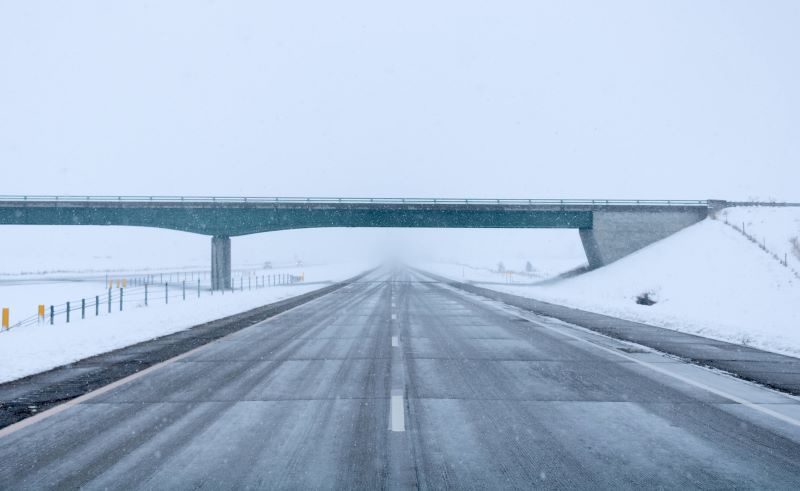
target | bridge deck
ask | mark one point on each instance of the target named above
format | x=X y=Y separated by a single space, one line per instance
x=227 y=216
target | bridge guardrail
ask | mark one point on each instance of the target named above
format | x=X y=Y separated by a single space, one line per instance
x=351 y=200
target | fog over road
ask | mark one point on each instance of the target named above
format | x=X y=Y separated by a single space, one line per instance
x=398 y=381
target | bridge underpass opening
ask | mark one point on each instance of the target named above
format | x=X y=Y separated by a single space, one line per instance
x=609 y=230
x=551 y=251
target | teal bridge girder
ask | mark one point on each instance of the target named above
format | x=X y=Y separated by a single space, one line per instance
x=233 y=216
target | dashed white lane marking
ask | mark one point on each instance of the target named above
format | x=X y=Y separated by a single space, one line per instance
x=395 y=342
x=398 y=416
x=663 y=371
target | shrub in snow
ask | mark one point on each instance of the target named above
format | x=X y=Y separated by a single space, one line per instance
x=645 y=299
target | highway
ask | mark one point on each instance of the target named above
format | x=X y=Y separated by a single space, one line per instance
x=397 y=381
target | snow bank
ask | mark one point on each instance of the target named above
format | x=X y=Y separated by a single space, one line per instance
x=707 y=280
x=31 y=349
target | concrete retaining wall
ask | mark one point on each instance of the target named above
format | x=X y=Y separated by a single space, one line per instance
x=615 y=234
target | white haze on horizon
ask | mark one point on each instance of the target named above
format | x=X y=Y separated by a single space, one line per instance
x=678 y=99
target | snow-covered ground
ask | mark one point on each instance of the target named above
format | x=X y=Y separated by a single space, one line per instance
x=23 y=293
x=777 y=228
x=707 y=279
x=25 y=350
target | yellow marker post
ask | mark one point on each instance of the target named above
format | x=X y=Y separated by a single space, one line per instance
x=124 y=283
x=5 y=317
x=117 y=283
x=41 y=312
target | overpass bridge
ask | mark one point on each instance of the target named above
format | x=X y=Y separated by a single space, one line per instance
x=609 y=229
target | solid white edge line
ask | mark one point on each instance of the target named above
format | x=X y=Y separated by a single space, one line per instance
x=651 y=366
x=113 y=385
x=656 y=368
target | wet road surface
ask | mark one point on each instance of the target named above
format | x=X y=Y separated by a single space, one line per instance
x=397 y=381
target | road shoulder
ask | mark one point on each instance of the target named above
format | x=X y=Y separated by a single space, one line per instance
x=770 y=369
x=28 y=396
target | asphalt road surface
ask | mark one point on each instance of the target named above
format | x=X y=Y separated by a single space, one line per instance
x=400 y=382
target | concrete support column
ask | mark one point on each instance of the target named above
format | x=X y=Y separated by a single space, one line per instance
x=220 y=262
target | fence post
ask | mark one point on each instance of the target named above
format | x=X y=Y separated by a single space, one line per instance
x=96 y=305
x=67 y=312
x=184 y=289
x=249 y=282
x=83 y=308
x=198 y=287
x=145 y=294
x=52 y=314
x=166 y=292
x=109 y=300
x=241 y=283
x=121 y=291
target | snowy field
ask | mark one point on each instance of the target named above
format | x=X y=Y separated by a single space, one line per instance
x=707 y=280
x=30 y=349
x=23 y=293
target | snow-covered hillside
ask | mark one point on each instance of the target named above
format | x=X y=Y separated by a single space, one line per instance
x=707 y=279
x=776 y=228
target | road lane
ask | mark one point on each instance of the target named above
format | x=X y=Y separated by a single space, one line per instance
x=490 y=399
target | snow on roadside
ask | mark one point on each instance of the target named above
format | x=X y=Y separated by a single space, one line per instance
x=778 y=228
x=31 y=349
x=23 y=293
x=707 y=279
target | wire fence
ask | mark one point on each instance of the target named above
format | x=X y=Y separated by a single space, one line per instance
x=762 y=244
x=143 y=291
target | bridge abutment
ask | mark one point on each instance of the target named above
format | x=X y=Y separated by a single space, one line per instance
x=617 y=233
x=220 y=262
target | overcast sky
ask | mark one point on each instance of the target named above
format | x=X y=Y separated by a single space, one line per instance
x=611 y=99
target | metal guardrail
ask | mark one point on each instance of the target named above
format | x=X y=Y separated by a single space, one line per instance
x=762 y=203
x=329 y=200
